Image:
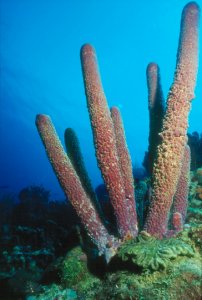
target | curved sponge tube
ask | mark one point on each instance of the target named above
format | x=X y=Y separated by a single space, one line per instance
x=74 y=153
x=72 y=186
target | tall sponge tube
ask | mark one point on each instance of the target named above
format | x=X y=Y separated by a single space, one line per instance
x=167 y=166
x=105 y=141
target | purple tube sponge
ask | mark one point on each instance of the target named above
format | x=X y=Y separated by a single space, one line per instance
x=73 y=188
x=180 y=201
x=170 y=152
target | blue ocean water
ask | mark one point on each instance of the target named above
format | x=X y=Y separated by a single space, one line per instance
x=41 y=73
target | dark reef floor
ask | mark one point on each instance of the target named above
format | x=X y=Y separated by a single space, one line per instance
x=45 y=254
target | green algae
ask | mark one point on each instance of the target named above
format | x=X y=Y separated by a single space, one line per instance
x=150 y=253
x=168 y=269
x=75 y=273
x=177 y=278
x=180 y=281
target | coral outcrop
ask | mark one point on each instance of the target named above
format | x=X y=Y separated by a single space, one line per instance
x=112 y=154
x=162 y=259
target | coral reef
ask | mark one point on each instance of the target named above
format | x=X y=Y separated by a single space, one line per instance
x=119 y=259
x=180 y=281
x=145 y=268
x=109 y=141
x=75 y=273
x=158 y=256
x=194 y=212
x=33 y=234
x=54 y=292
x=112 y=154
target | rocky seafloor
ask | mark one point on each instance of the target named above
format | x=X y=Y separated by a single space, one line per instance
x=45 y=254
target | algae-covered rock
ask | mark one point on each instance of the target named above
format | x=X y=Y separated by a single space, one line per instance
x=195 y=234
x=181 y=281
x=55 y=292
x=168 y=269
x=150 y=253
x=194 y=212
x=75 y=273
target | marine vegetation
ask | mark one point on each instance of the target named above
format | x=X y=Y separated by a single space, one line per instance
x=156 y=260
